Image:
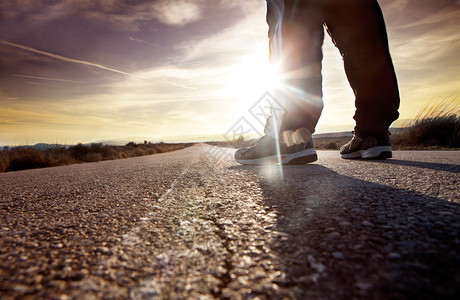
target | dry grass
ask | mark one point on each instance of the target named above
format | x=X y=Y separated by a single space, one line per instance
x=21 y=158
x=437 y=126
x=330 y=143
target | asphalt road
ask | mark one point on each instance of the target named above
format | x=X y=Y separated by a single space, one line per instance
x=193 y=224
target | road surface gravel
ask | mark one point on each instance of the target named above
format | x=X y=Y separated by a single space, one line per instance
x=193 y=224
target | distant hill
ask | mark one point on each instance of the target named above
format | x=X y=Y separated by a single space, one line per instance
x=43 y=146
x=332 y=134
x=39 y=146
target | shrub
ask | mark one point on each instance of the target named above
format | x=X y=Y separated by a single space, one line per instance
x=79 y=151
x=108 y=152
x=60 y=156
x=331 y=146
x=96 y=148
x=131 y=144
x=138 y=152
x=22 y=158
x=152 y=151
x=92 y=157
x=104 y=150
x=4 y=160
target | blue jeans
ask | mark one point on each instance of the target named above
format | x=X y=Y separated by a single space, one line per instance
x=358 y=30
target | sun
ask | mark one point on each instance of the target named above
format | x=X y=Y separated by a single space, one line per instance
x=251 y=78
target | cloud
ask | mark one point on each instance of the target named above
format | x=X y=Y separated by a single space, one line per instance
x=396 y=5
x=182 y=95
x=181 y=57
x=47 y=78
x=425 y=47
x=35 y=6
x=141 y=41
x=124 y=15
x=120 y=14
x=203 y=71
x=62 y=58
x=177 y=12
x=226 y=45
x=442 y=16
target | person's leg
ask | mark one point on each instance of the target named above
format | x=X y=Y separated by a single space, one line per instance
x=357 y=28
x=296 y=35
x=296 y=49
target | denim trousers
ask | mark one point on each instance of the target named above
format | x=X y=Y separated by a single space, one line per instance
x=357 y=28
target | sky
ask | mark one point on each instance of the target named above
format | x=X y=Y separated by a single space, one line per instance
x=175 y=70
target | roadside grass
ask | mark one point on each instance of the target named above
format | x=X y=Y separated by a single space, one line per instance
x=22 y=158
x=330 y=143
x=436 y=126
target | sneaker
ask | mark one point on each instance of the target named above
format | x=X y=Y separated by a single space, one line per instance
x=265 y=152
x=376 y=147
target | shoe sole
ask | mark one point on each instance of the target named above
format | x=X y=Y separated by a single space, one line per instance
x=299 y=158
x=379 y=152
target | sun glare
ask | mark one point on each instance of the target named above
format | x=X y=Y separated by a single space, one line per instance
x=251 y=78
